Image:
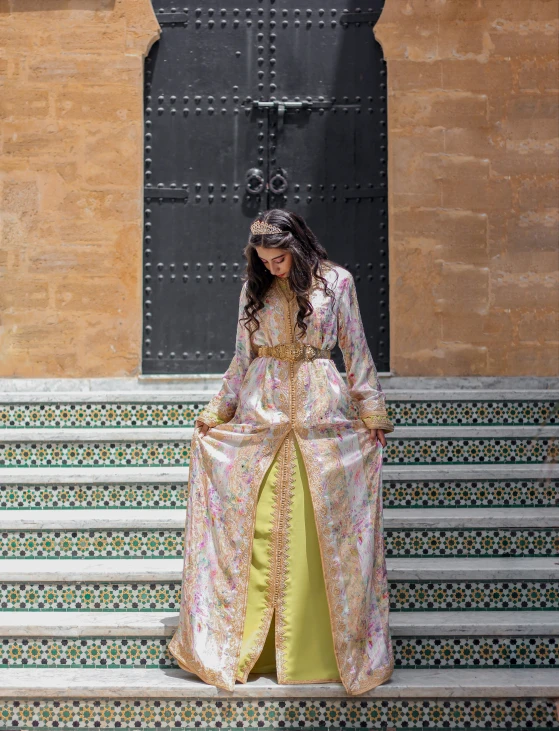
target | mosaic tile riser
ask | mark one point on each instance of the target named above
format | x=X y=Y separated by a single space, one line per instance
x=169 y=543
x=436 y=493
x=409 y=652
x=329 y=714
x=402 y=413
x=404 y=596
x=475 y=450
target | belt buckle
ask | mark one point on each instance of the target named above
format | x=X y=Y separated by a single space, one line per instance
x=285 y=352
x=310 y=352
x=296 y=352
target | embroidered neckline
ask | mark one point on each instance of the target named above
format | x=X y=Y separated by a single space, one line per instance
x=285 y=288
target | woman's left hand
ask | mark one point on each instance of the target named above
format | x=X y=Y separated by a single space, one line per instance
x=378 y=434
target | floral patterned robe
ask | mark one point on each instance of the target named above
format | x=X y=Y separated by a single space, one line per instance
x=261 y=401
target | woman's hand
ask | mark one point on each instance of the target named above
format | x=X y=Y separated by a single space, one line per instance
x=203 y=429
x=378 y=434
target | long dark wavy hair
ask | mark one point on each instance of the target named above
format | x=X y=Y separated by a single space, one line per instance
x=309 y=259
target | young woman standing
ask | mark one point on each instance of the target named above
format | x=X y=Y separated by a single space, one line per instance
x=284 y=554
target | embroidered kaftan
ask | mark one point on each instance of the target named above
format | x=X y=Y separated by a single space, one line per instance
x=262 y=401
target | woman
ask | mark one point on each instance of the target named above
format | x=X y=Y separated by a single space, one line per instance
x=284 y=555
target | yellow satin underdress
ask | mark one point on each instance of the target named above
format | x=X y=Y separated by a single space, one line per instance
x=287 y=627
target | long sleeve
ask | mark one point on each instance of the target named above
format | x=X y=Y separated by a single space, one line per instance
x=362 y=378
x=221 y=408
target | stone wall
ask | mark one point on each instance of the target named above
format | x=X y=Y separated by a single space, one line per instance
x=473 y=169
x=473 y=185
x=71 y=174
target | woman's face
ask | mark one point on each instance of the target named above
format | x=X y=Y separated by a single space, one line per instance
x=276 y=261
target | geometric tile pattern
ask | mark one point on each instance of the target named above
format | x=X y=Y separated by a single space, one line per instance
x=151 y=652
x=95 y=454
x=470 y=493
x=396 y=494
x=92 y=544
x=89 y=596
x=472 y=413
x=92 y=652
x=76 y=496
x=474 y=542
x=158 y=543
x=292 y=713
x=460 y=595
x=159 y=596
x=75 y=415
x=475 y=652
x=474 y=450
x=402 y=413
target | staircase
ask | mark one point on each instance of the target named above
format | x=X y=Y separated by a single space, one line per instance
x=92 y=494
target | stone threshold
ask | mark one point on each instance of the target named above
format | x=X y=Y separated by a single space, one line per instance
x=179 y=433
x=173 y=519
x=170 y=569
x=68 y=684
x=163 y=624
x=412 y=473
x=203 y=383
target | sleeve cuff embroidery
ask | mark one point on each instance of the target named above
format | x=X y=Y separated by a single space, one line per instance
x=378 y=421
x=210 y=416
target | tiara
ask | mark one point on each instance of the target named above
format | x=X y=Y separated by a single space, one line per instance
x=260 y=227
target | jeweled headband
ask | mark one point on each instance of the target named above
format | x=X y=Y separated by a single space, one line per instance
x=260 y=227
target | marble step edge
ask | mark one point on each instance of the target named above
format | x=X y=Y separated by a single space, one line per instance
x=147 y=434
x=170 y=569
x=393 y=395
x=173 y=519
x=139 y=475
x=163 y=383
x=163 y=624
x=65 y=683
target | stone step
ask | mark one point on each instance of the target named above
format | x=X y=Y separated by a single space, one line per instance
x=142 y=519
x=103 y=434
x=163 y=624
x=147 y=585
x=406 y=407
x=436 y=651
x=156 y=533
x=171 y=447
x=159 y=544
x=404 y=486
x=163 y=570
x=170 y=475
x=168 y=699
x=178 y=684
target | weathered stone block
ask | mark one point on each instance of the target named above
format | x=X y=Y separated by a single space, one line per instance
x=529 y=38
x=462 y=287
x=539 y=327
x=111 y=104
x=408 y=75
x=477 y=76
x=114 y=150
x=538 y=74
x=438 y=109
x=526 y=291
x=30 y=294
x=539 y=192
x=86 y=294
x=17 y=102
x=86 y=69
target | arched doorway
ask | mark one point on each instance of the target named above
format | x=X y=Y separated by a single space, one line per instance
x=248 y=108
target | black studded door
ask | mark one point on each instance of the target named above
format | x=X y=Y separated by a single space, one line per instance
x=248 y=108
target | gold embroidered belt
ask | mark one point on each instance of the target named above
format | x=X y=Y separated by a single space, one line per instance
x=293 y=352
